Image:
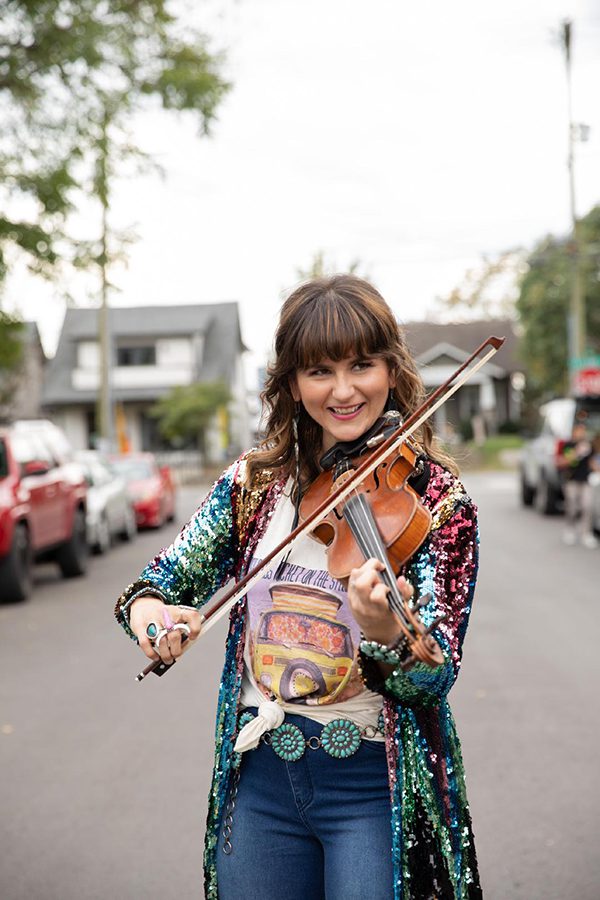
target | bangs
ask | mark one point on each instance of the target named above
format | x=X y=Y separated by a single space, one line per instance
x=336 y=327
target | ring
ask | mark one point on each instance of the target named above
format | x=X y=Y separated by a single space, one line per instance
x=152 y=630
x=181 y=626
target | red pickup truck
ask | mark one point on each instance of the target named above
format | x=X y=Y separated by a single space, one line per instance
x=42 y=506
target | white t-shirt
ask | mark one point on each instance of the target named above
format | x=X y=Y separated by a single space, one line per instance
x=301 y=638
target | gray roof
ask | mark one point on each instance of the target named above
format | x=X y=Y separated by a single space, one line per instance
x=218 y=323
x=466 y=336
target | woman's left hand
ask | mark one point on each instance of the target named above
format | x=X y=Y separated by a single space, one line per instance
x=367 y=595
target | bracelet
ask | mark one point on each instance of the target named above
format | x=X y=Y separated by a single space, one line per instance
x=145 y=590
x=380 y=652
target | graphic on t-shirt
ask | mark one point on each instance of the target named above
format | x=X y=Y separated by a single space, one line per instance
x=301 y=652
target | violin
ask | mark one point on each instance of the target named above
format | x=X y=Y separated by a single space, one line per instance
x=383 y=518
x=419 y=643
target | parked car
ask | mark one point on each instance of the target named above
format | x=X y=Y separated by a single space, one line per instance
x=150 y=487
x=42 y=505
x=539 y=475
x=110 y=512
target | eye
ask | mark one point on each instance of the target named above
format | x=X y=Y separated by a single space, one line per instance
x=362 y=364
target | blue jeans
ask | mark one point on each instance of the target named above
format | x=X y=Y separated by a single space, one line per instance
x=315 y=829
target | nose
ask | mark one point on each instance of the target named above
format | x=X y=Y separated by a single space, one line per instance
x=343 y=388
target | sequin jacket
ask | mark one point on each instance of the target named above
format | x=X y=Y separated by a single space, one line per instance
x=433 y=849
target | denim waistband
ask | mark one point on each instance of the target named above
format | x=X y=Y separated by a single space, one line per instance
x=339 y=738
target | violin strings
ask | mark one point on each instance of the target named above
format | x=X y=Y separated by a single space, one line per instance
x=371 y=543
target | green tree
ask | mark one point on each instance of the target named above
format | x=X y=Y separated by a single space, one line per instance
x=73 y=74
x=185 y=412
x=543 y=307
x=11 y=355
x=71 y=71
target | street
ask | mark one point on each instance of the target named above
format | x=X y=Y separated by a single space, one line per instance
x=104 y=780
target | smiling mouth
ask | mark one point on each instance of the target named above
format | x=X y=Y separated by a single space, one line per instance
x=345 y=412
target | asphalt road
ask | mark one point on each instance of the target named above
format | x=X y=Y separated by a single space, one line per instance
x=104 y=780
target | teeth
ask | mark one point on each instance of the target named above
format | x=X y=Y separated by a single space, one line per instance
x=345 y=410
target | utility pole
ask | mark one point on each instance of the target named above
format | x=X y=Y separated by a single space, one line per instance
x=576 y=315
x=105 y=401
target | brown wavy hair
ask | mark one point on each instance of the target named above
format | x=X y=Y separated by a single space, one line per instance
x=332 y=318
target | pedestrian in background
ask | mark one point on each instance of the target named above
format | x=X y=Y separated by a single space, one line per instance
x=575 y=463
x=337 y=773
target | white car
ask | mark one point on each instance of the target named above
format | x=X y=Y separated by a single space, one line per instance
x=540 y=480
x=110 y=512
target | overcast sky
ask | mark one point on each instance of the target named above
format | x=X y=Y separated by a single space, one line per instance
x=415 y=137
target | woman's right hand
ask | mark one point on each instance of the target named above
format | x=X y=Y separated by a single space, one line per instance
x=147 y=609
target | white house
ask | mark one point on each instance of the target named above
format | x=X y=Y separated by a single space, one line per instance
x=493 y=395
x=154 y=348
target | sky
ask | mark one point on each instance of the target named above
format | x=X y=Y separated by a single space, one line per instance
x=413 y=137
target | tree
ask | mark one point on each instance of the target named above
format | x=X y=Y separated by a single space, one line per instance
x=69 y=74
x=487 y=291
x=11 y=355
x=543 y=307
x=185 y=412
x=320 y=266
x=72 y=76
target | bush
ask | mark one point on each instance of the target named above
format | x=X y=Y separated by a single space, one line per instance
x=465 y=429
x=511 y=426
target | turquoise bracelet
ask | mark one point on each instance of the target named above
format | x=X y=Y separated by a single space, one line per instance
x=380 y=652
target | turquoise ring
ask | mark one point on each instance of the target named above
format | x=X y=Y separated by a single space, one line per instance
x=152 y=630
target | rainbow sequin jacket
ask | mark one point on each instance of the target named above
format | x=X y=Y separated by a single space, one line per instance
x=432 y=840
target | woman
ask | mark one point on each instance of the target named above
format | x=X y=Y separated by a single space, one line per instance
x=336 y=774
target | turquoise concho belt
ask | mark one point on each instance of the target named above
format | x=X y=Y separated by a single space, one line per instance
x=340 y=738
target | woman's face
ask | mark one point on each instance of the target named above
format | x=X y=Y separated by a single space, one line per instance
x=345 y=398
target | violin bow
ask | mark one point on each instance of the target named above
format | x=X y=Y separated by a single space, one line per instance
x=431 y=403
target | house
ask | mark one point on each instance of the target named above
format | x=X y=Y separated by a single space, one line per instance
x=492 y=397
x=154 y=349
x=21 y=388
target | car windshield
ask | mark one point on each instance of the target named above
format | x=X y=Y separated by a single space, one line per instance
x=133 y=469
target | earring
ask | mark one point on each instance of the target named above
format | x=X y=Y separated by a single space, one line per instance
x=391 y=409
x=295 y=422
x=281 y=566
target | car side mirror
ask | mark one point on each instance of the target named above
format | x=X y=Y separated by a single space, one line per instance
x=35 y=467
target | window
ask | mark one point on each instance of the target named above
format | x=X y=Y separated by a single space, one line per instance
x=136 y=356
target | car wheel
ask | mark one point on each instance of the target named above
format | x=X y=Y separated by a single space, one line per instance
x=15 y=568
x=102 y=544
x=297 y=676
x=130 y=527
x=527 y=492
x=545 y=497
x=72 y=557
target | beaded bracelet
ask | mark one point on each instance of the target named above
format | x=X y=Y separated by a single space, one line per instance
x=380 y=652
x=147 y=590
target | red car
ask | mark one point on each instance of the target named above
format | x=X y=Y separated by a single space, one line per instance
x=42 y=506
x=150 y=487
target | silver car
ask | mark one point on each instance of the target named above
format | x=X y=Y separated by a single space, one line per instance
x=110 y=513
